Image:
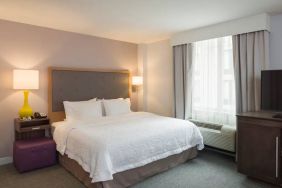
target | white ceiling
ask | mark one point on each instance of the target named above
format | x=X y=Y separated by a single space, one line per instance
x=137 y=21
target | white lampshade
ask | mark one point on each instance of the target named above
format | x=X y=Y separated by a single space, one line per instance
x=137 y=80
x=26 y=79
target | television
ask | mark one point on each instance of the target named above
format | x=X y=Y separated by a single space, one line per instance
x=271 y=90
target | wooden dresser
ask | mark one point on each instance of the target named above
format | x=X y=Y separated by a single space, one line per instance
x=259 y=146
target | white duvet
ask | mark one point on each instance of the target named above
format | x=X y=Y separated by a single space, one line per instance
x=109 y=145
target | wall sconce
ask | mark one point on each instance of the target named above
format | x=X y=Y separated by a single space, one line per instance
x=25 y=80
x=136 y=82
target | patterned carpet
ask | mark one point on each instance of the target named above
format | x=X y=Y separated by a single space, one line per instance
x=209 y=170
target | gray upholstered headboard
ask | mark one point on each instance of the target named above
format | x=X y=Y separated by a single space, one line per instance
x=69 y=84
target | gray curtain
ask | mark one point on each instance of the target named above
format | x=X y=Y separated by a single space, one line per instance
x=250 y=55
x=182 y=67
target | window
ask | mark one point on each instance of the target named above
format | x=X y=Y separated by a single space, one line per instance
x=213 y=85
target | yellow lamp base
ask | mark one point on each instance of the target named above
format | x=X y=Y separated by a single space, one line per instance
x=26 y=110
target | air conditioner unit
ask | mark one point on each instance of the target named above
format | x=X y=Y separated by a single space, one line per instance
x=218 y=136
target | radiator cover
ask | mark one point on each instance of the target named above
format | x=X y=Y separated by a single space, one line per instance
x=223 y=139
x=218 y=136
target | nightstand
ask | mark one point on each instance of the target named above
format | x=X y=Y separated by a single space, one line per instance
x=33 y=146
x=35 y=128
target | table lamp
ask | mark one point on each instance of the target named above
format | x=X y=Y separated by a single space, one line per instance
x=25 y=80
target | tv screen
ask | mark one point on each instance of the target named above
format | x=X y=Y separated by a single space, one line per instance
x=271 y=90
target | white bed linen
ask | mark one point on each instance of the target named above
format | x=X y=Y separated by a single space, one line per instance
x=114 y=144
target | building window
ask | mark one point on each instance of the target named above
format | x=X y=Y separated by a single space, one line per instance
x=213 y=85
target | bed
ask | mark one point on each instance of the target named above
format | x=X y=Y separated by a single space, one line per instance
x=114 y=151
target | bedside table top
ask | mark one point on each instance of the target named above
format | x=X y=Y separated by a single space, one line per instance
x=32 y=122
x=18 y=120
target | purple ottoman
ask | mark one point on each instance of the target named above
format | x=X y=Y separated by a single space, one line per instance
x=34 y=153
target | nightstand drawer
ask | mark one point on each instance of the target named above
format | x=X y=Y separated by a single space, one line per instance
x=34 y=128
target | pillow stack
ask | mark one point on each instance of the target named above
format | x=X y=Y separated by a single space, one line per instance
x=92 y=109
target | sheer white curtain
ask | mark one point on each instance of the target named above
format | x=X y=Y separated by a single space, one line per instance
x=213 y=85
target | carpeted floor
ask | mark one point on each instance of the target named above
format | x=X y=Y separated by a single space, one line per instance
x=209 y=170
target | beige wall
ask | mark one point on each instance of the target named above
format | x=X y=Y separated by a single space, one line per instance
x=158 y=77
x=275 y=42
x=142 y=56
x=232 y=27
x=31 y=47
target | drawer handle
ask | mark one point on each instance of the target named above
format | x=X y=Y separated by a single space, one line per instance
x=277 y=156
x=35 y=128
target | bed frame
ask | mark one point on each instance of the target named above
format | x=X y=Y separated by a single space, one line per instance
x=83 y=84
x=129 y=177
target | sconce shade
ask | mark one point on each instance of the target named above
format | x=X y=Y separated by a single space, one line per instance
x=26 y=79
x=137 y=80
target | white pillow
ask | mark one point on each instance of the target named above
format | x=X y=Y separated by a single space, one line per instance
x=103 y=106
x=116 y=106
x=83 y=110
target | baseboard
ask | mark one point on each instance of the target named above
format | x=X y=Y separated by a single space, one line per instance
x=232 y=154
x=5 y=160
